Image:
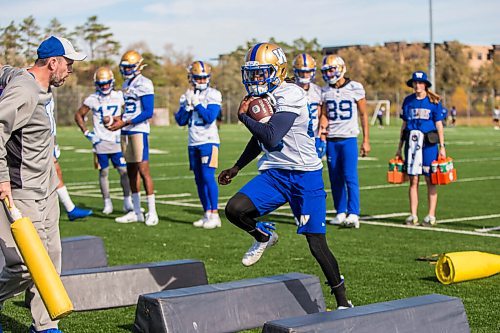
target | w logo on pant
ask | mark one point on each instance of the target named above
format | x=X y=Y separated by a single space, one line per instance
x=303 y=220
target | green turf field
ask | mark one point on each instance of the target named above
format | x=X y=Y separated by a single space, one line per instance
x=377 y=260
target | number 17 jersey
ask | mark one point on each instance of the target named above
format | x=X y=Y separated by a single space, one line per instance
x=342 y=109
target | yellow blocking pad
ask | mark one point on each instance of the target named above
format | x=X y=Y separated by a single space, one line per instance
x=467 y=265
x=41 y=268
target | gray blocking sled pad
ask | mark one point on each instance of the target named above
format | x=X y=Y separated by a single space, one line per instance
x=79 y=252
x=109 y=287
x=83 y=252
x=229 y=307
x=429 y=313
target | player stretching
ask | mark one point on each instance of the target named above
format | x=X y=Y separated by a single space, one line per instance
x=290 y=170
x=106 y=103
x=343 y=99
x=304 y=70
x=199 y=107
x=138 y=92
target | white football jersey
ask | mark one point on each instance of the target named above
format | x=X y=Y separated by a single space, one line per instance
x=342 y=109
x=102 y=106
x=296 y=150
x=314 y=99
x=199 y=131
x=133 y=90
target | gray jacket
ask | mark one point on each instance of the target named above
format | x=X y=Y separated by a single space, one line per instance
x=26 y=142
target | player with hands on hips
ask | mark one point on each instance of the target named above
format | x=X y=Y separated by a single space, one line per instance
x=138 y=93
x=106 y=103
x=198 y=109
x=290 y=169
x=304 y=71
x=343 y=100
x=422 y=135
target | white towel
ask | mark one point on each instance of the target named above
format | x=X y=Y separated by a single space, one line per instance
x=414 y=157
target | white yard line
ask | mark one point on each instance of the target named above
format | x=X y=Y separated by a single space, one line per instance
x=378 y=223
x=488 y=229
x=470 y=218
x=453 y=231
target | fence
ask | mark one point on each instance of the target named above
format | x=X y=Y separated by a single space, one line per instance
x=68 y=100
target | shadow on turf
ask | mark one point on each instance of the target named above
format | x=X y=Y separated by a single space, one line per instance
x=432 y=278
x=128 y=327
x=12 y=325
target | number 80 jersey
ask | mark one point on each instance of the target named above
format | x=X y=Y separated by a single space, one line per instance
x=342 y=109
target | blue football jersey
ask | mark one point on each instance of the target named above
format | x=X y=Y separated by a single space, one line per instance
x=421 y=114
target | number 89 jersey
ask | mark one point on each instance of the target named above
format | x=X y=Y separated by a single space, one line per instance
x=342 y=109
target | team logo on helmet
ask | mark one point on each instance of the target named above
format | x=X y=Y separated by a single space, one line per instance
x=104 y=80
x=304 y=68
x=131 y=64
x=199 y=73
x=264 y=69
x=333 y=68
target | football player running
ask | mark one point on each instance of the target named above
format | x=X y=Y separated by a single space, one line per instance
x=199 y=107
x=304 y=71
x=290 y=169
x=138 y=92
x=343 y=100
x=105 y=103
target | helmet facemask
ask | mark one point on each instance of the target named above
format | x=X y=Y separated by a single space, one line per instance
x=129 y=71
x=259 y=79
x=100 y=86
x=332 y=78
x=300 y=76
x=199 y=86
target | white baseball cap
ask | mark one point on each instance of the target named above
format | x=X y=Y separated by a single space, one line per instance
x=58 y=47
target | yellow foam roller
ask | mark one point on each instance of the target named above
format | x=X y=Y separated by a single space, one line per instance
x=467 y=265
x=41 y=268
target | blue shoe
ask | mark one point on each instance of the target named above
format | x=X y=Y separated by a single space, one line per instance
x=50 y=330
x=79 y=213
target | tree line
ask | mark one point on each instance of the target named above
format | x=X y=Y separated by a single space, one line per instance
x=383 y=69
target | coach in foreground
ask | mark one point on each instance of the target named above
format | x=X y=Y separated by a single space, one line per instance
x=27 y=175
x=290 y=169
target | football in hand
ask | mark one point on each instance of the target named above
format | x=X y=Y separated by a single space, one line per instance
x=107 y=120
x=260 y=109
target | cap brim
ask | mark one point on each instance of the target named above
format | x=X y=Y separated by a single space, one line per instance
x=76 y=56
x=409 y=83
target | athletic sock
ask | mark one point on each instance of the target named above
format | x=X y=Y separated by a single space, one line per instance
x=136 y=201
x=151 y=203
x=65 y=199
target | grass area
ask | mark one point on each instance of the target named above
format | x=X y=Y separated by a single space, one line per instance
x=378 y=261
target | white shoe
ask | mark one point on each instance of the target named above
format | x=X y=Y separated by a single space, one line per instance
x=352 y=221
x=338 y=220
x=411 y=220
x=130 y=217
x=213 y=222
x=152 y=219
x=199 y=223
x=345 y=307
x=429 y=221
x=257 y=250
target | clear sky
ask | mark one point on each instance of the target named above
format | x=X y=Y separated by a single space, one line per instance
x=208 y=28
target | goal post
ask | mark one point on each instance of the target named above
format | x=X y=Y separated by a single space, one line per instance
x=376 y=105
